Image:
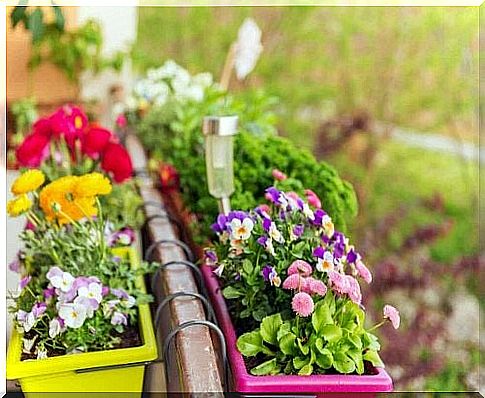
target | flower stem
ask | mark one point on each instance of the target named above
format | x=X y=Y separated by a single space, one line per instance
x=376 y=326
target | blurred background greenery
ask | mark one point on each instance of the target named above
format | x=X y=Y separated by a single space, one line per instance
x=345 y=77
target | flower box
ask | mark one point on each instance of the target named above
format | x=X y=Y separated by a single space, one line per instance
x=243 y=382
x=117 y=370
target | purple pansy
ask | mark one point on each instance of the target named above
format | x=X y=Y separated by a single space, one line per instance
x=352 y=256
x=49 y=292
x=210 y=256
x=262 y=240
x=220 y=225
x=318 y=252
x=118 y=318
x=298 y=230
x=273 y=195
x=267 y=224
x=266 y=272
x=319 y=214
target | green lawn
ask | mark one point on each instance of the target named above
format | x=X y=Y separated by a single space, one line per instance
x=402 y=176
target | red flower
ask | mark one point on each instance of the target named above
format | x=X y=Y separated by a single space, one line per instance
x=43 y=126
x=121 y=121
x=169 y=177
x=94 y=142
x=33 y=150
x=117 y=162
x=70 y=122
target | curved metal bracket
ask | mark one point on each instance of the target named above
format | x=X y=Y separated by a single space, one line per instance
x=176 y=242
x=141 y=172
x=192 y=266
x=222 y=342
x=210 y=314
x=153 y=203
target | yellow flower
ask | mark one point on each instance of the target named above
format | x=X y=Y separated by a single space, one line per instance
x=27 y=182
x=92 y=184
x=72 y=198
x=19 y=205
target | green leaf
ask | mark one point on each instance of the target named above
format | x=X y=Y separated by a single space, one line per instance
x=342 y=363
x=287 y=344
x=305 y=349
x=324 y=358
x=259 y=314
x=268 y=367
x=36 y=25
x=370 y=341
x=321 y=317
x=299 y=362
x=306 y=370
x=355 y=341
x=269 y=328
x=231 y=292
x=247 y=267
x=374 y=358
x=250 y=344
x=331 y=333
x=18 y=15
x=284 y=329
x=60 y=21
x=356 y=356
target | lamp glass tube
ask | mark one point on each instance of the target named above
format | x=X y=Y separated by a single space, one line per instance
x=219 y=163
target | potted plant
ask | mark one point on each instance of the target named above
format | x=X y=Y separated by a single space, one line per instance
x=285 y=288
x=66 y=143
x=81 y=314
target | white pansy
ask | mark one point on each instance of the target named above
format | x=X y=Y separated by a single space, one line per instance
x=86 y=303
x=129 y=302
x=241 y=230
x=41 y=354
x=28 y=344
x=308 y=212
x=74 y=315
x=219 y=270
x=328 y=226
x=327 y=263
x=269 y=247
x=62 y=281
x=92 y=291
x=275 y=234
x=248 y=48
x=29 y=321
x=55 y=328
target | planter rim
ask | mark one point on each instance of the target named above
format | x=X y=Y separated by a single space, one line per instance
x=17 y=369
x=247 y=383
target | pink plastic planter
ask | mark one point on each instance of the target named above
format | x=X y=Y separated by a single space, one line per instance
x=243 y=382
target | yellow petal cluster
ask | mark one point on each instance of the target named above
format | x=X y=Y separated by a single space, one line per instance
x=19 y=205
x=72 y=198
x=28 y=182
x=92 y=184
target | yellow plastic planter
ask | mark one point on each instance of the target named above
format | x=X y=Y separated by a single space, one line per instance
x=93 y=372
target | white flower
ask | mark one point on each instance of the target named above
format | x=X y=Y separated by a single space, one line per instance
x=59 y=279
x=87 y=304
x=203 y=80
x=219 y=270
x=275 y=234
x=308 y=212
x=28 y=344
x=269 y=247
x=92 y=291
x=55 y=328
x=326 y=264
x=241 y=230
x=248 y=48
x=41 y=354
x=328 y=226
x=129 y=302
x=29 y=321
x=74 y=315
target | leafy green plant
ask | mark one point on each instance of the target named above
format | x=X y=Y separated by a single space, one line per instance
x=172 y=133
x=291 y=283
x=72 y=51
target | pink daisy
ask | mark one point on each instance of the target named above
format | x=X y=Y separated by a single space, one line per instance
x=363 y=271
x=302 y=304
x=300 y=266
x=292 y=282
x=392 y=314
